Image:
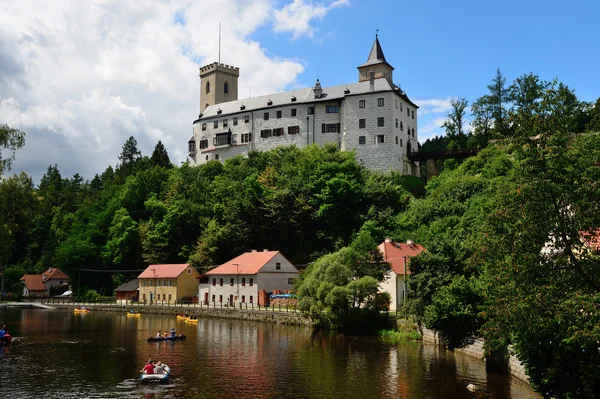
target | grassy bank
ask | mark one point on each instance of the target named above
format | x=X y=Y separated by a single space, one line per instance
x=400 y=335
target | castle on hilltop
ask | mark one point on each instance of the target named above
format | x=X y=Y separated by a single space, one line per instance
x=373 y=117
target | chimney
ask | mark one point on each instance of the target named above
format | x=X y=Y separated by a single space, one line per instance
x=410 y=243
x=265 y=250
x=388 y=239
x=254 y=250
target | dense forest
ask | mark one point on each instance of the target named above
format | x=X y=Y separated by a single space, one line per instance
x=505 y=231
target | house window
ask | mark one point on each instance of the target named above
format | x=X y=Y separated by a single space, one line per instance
x=332 y=109
x=158 y=283
x=225 y=122
x=330 y=128
x=246 y=118
x=293 y=112
x=213 y=297
x=207 y=157
x=278 y=132
x=165 y=282
x=235 y=121
x=169 y=297
x=266 y=116
x=380 y=121
x=246 y=137
x=231 y=282
x=217 y=157
x=221 y=298
x=362 y=123
x=293 y=129
x=214 y=282
x=277 y=266
x=243 y=298
x=204 y=126
x=226 y=88
x=170 y=282
x=380 y=102
x=251 y=298
x=396 y=123
x=396 y=140
x=361 y=103
x=216 y=124
x=220 y=282
x=189 y=271
x=401 y=126
x=290 y=281
x=380 y=138
x=265 y=133
x=203 y=144
x=362 y=140
x=278 y=114
x=207 y=87
x=151 y=283
x=251 y=282
x=243 y=281
x=144 y=297
x=164 y=297
x=310 y=111
x=412 y=114
x=231 y=298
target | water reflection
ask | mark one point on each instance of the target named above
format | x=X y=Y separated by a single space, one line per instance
x=99 y=355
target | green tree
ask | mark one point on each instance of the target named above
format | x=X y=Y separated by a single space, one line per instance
x=10 y=139
x=129 y=157
x=594 y=123
x=160 y=157
x=454 y=125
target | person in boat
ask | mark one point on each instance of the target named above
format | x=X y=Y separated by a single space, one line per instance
x=3 y=332
x=159 y=368
x=166 y=335
x=172 y=332
x=186 y=314
x=148 y=368
x=159 y=335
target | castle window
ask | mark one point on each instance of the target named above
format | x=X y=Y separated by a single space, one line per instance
x=246 y=118
x=362 y=140
x=361 y=104
x=380 y=121
x=266 y=116
x=362 y=123
x=246 y=137
x=191 y=146
x=278 y=114
x=407 y=111
x=400 y=107
x=225 y=122
x=207 y=157
x=203 y=144
x=235 y=121
x=311 y=110
x=380 y=102
x=278 y=132
x=380 y=138
x=222 y=139
x=413 y=132
x=204 y=126
x=266 y=133
x=400 y=142
x=332 y=109
x=226 y=88
x=207 y=88
x=330 y=128
x=396 y=123
x=401 y=126
x=396 y=102
x=217 y=157
x=293 y=112
x=215 y=124
x=207 y=105
x=396 y=140
x=293 y=129
x=413 y=114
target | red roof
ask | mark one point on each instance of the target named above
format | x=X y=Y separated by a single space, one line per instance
x=395 y=253
x=246 y=263
x=164 y=271
x=33 y=282
x=54 y=272
x=591 y=238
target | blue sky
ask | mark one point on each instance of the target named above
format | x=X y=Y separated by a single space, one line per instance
x=81 y=77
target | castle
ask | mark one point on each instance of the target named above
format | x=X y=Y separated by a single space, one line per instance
x=373 y=117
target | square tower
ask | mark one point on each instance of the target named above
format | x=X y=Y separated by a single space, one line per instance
x=218 y=84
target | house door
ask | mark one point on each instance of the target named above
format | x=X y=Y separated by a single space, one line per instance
x=206 y=297
x=231 y=299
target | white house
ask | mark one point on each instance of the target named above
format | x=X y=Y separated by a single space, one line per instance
x=398 y=256
x=42 y=284
x=243 y=278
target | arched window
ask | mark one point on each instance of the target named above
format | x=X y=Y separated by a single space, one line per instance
x=207 y=87
x=206 y=105
x=217 y=157
x=226 y=88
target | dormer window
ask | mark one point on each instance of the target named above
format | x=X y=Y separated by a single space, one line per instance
x=219 y=111
x=269 y=102
x=347 y=91
x=242 y=107
x=293 y=98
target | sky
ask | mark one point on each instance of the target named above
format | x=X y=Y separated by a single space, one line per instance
x=81 y=77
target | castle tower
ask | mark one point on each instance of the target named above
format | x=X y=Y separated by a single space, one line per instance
x=377 y=64
x=218 y=84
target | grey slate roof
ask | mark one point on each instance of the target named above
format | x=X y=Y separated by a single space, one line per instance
x=376 y=55
x=129 y=286
x=303 y=96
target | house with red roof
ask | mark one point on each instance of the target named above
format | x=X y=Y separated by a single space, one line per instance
x=241 y=279
x=168 y=283
x=51 y=282
x=398 y=256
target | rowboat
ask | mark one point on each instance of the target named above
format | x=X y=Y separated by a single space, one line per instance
x=156 y=377
x=136 y=314
x=169 y=338
x=191 y=320
x=79 y=310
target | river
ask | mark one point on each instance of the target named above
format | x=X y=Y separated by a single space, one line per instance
x=56 y=353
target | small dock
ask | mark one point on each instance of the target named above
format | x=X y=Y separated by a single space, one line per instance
x=25 y=305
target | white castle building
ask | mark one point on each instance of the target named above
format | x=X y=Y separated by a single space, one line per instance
x=373 y=117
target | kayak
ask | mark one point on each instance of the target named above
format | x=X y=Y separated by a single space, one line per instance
x=180 y=317
x=81 y=310
x=191 y=320
x=156 y=377
x=129 y=314
x=6 y=340
x=169 y=338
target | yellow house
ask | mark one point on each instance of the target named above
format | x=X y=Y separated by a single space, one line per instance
x=168 y=283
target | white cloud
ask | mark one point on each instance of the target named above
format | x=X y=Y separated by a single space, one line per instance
x=80 y=77
x=433 y=106
x=297 y=16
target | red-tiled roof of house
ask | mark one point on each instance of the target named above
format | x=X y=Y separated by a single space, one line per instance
x=591 y=238
x=246 y=263
x=164 y=271
x=33 y=282
x=54 y=272
x=395 y=253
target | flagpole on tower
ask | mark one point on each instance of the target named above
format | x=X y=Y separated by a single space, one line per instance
x=219 y=42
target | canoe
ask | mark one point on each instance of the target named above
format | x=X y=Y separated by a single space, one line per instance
x=133 y=314
x=81 y=310
x=156 y=377
x=191 y=320
x=6 y=340
x=169 y=338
